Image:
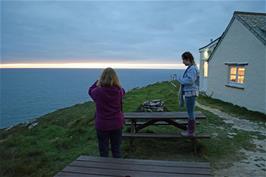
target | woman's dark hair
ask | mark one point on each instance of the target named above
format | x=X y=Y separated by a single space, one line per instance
x=188 y=56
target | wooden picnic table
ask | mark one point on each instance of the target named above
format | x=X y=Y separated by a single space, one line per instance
x=88 y=166
x=140 y=120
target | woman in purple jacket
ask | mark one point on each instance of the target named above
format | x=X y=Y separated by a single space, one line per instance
x=107 y=93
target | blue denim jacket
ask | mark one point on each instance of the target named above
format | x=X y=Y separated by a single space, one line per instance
x=189 y=83
x=190 y=79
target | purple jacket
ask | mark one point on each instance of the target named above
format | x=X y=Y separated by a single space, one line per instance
x=109 y=115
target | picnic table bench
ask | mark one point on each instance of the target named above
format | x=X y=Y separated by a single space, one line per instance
x=88 y=166
x=140 y=120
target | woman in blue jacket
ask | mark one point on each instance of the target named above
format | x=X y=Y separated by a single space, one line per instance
x=189 y=89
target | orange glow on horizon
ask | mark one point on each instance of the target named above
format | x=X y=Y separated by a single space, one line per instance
x=96 y=65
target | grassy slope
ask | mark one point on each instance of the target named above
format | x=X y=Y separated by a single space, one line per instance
x=232 y=109
x=61 y=136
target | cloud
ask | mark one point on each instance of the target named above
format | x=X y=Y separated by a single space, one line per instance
x=82 y=31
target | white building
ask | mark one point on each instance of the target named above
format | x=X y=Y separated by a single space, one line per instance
x=233 y=67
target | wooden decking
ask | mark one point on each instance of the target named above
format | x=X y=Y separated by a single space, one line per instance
x=87 y=166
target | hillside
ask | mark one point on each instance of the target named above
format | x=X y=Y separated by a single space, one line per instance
x=45 y=146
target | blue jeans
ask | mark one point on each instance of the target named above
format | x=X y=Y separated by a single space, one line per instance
x=115 y=139
x=190 y=104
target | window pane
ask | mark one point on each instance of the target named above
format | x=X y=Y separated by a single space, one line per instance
x=241 y=71
x=233 y=78
x=233 y=70
x=240 y=79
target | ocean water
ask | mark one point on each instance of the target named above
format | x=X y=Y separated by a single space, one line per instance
x=26 y=94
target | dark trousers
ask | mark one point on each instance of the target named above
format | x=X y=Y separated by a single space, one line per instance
x=115 y=139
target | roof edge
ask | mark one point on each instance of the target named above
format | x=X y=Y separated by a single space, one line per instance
x=222 y=36
x=249 y=13
x=235 y=16
x=250 y=28
x=210 y=43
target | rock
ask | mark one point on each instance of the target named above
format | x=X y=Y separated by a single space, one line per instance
x=33 y=124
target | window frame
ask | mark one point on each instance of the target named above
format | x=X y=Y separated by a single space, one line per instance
x=232 y=83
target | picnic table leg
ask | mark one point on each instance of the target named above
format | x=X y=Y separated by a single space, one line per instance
x=171 y=122
x=195 y=143
x=133 y=126
x=132 y=131
x=146 y=124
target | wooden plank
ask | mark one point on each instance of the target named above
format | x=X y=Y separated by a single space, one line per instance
x=112 y=172
x=158 y=123
x=160 y=115
x=163 y=136
x=146 y=162
x=167 y=114
x=143 y=168
x=73 y=174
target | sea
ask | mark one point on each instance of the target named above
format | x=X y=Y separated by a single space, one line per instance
x=26 y=94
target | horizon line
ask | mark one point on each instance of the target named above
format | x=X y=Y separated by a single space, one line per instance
x=92 y=65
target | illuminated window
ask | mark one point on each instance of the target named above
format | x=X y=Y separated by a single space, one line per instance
x=205 y=69
x=241 y=75
x=232 y=77
x=237 y=74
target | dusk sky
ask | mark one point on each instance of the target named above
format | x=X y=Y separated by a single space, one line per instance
x=112 y=31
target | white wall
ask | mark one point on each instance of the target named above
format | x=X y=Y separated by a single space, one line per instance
x=239 y=45
x=204 y=80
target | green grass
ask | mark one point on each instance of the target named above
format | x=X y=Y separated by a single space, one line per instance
x=232 y=109
x=59 y=137
x=62 y=136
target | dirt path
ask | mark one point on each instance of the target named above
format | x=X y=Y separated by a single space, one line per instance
x=254 y=164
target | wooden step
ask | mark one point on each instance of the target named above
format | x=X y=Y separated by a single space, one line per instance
x=163 y=136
